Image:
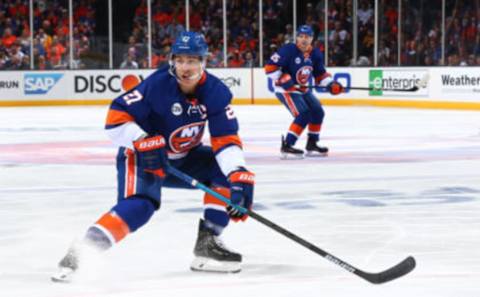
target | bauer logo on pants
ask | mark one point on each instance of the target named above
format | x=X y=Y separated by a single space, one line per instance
x=40 y=83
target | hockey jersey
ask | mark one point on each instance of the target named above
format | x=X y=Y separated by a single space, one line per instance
x=158 y=107
x=301 y=66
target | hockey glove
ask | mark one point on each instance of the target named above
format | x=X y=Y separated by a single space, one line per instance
x=151 y=154
x=241 y=192
x=335 y=88
x=285 y=82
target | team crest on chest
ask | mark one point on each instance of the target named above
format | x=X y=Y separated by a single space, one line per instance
x=303 y=74
x=177 y=109
x=186 y=137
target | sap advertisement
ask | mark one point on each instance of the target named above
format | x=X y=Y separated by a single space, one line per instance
x=438 y=84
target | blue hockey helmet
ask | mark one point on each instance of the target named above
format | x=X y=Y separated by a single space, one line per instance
x=190 y=43
x=305 y=29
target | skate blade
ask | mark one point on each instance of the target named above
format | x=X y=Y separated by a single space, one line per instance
x=64 y=275
x=313 y=154
x=202 y=264
x=287 y=156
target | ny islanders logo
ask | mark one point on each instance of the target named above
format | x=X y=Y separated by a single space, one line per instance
x=186 y=137
x=303 y=74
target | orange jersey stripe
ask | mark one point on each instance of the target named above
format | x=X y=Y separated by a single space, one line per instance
x=314 y=127
x=115 y=225
x=296 y=129
x=210 y=199
x=269 y=68
x=116 y=117
x=221 y=141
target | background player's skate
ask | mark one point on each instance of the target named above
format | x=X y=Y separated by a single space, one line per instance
x=289 y=152
x=314 y=150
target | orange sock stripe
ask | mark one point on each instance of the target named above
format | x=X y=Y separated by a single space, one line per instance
x=296 y=129
x=115 y=225
x=209 y=199
x=315 y=128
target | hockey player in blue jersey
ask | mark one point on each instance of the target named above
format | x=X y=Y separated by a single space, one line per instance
x=160 y=123
x=291 y=68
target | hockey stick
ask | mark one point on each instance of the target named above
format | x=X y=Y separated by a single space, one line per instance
x=392 y=273
x=420 y=84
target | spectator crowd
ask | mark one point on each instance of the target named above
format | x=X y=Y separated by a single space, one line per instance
x=46 y=41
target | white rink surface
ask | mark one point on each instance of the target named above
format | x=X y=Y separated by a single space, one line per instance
x=398 y=182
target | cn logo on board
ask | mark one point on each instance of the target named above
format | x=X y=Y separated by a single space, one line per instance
x=40 y=83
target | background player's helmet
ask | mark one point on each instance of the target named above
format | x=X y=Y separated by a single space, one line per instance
x=190 y=43
x=305 y=29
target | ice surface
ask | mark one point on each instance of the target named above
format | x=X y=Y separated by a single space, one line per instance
x=398 y=182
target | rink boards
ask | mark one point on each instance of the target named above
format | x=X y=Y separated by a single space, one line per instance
x=447 y=87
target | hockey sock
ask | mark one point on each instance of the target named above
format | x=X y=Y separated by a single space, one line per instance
x=314 y=132
x=294 y=133
x=109 y=229
x=134 y=211
x=215 y=215
x=125 y=217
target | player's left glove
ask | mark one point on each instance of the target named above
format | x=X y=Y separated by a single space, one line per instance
x=335 y=88
x=242 y=182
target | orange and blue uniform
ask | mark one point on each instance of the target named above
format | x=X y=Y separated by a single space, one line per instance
x=292 y=70
x=157 y=107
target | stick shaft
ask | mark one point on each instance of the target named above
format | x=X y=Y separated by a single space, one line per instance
x=392 y=273
x=264 y=221
x=412 y=89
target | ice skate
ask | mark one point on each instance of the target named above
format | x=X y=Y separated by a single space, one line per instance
x=313 y=150
x=67 y=267
x=289 y=152
x=211 y=255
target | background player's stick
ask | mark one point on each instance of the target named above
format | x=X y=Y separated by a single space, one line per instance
x=392 y=273
x=420 y=84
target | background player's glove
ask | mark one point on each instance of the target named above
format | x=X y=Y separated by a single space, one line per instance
x=285 y=82
x=241 y=192
x=335 y=88
x=151 y=154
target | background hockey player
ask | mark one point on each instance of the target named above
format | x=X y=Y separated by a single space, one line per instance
x=291 y=68
x=160 y=123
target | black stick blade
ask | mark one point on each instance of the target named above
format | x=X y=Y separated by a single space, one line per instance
x=413 y=89
x=396 y=271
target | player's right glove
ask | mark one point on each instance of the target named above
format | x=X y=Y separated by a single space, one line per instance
x=335 y=88
x=285 y=82
x=242 y=182
x=151 y=154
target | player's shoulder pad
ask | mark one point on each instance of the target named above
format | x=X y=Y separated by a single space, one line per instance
x=215 y=93
x=287 y=49
x=158 y=79
x=317 y=54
